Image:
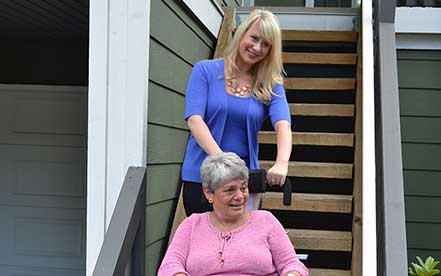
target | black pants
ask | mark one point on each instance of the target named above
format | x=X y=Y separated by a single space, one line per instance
x=194 y=199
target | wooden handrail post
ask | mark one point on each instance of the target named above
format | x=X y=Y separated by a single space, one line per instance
x=226 y=32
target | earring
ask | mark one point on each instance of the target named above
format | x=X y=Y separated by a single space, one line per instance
x=210 y=200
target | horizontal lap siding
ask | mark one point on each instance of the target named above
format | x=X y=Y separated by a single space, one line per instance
x=177 y=42
x=420 y=101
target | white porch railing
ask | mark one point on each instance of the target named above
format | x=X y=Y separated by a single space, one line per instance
x=369 y=229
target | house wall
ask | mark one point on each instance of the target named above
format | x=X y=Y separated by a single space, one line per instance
x=177 y=41
x=420 y=100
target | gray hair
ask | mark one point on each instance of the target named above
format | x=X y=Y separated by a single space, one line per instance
x=220 y=168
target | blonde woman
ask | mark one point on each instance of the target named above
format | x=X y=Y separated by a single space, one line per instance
x=227 y=101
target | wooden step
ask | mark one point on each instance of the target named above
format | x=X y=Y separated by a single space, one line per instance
x=328 y=272
x=308 y=202
x=319 y=36
x=320 y=83
x=337 y=110
x=315 y=169
x=321 y=239
x=311 y=138
x=319 y=58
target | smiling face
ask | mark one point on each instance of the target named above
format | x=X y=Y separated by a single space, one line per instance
x=229 y=200
x=253 y=46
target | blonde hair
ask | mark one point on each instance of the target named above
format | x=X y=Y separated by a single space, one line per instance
x=268 y=71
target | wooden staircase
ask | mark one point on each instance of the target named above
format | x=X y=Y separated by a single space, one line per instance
x=323 y=87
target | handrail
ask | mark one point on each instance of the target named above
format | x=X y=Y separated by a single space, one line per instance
x=122 y=252
x=357 y=215
x=369 y=228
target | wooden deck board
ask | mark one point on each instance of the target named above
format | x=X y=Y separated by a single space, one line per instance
x=320 y=36
x=315 y=169
x=336 y=110
x=308 y=202
x=319 y=83
x=319 y=58
x=311 y=138
x=321 y=239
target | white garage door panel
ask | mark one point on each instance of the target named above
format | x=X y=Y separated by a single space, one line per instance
x=19 y=271
x=42 y=237
x=43 y=180
x=40 y=117
x=42 y=176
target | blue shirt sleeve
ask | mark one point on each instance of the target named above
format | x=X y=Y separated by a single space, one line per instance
x=278 y=108
x=197 y=92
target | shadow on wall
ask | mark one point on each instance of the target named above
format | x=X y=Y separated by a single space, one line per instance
x=44 y=62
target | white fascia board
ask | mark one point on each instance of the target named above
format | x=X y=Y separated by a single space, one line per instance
x=418 y=28
x=418 y=20
x=118 y=93
x=208 y=12
x=418 y=41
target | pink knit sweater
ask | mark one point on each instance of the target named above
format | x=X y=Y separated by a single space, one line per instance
x=260 y=247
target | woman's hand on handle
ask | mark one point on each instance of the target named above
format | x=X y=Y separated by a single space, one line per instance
x=276 y=175
x=202 y=135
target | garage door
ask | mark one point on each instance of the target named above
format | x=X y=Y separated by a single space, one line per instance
x=42 y=180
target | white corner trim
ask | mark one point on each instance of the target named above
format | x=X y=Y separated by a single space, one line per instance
x=118 y=93
x=418 y=20
x=208 y=12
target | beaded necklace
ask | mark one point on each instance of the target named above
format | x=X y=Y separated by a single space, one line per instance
x=238 y=91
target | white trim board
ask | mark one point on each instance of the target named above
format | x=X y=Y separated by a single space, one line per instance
x=418 y=20
x=118 y=93
x=418 y=41
x=418 y=28
x=208 y=12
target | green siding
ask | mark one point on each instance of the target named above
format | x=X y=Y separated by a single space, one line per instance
x=160 y=99
x=177 y=42
x=420 y=100
x=159 y=213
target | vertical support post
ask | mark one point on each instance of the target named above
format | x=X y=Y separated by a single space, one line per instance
x=118 y=93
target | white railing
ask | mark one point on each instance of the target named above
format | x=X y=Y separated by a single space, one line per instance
x=369 y=229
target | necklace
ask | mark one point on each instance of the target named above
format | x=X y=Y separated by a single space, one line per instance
x=239 y=91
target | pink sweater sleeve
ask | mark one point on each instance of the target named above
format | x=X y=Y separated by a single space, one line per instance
x=176 y=256
x=284 y=255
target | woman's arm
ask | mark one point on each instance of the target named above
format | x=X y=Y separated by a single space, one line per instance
x=175 y=258
x=277 y=173
x=202 y=135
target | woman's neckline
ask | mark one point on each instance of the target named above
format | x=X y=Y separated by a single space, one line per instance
x=235 y=230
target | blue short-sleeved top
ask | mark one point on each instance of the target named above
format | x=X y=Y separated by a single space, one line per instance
x=206 y=96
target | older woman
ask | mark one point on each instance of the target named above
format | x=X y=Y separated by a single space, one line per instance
x=227 y=101
x=230 y=240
